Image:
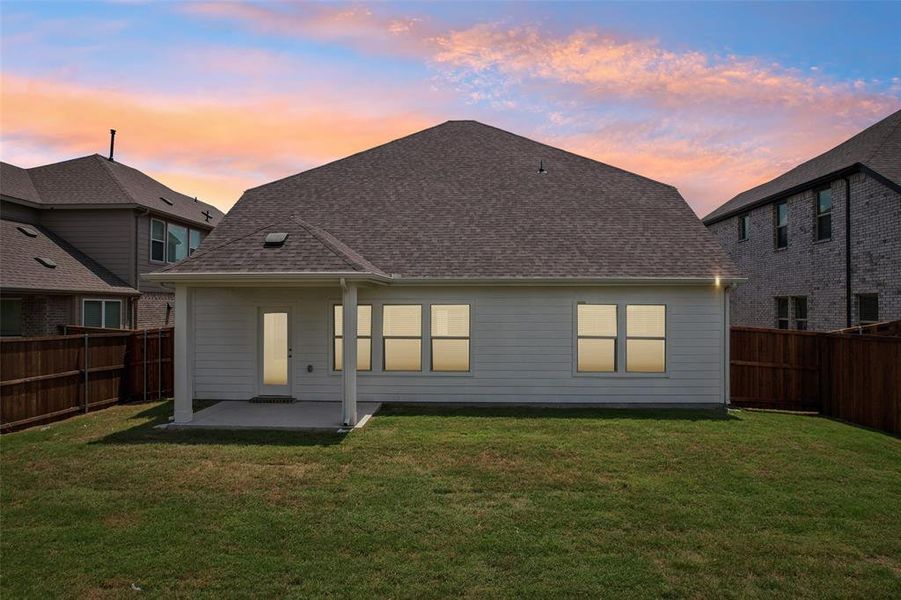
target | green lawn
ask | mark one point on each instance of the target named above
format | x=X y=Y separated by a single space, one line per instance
x=488 y=503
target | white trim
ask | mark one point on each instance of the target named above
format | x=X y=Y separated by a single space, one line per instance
x=184 y=355
x=102 y=302
x=287 y=277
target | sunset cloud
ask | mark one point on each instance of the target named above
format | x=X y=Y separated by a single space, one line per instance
x=241 y=142
x=312 y=82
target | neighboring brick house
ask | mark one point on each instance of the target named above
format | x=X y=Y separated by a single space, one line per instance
x=106 y=224
x=790 y=237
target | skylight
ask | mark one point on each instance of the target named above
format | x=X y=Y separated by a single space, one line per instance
x=274 y=240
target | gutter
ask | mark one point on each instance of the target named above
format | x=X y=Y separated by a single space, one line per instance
x=293 y=277
x=841 y=173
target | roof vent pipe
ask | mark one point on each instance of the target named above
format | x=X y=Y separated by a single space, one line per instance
x=541 y=169
x=112 y=143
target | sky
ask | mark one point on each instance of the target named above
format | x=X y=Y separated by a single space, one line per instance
x=213 y=98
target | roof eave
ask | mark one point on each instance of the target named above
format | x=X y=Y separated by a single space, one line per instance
x=288 y=279
x=68 y=291
x=854 y=168
x=276 y=278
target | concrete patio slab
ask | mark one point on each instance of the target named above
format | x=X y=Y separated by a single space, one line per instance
x=294 y=416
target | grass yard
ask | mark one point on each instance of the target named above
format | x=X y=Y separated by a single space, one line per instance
x=492 y=503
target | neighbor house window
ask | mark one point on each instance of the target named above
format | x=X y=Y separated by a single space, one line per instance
x=824 y=214
x=178 y=243
x=364 y=337
x=402 y=337
x=157 y=240
x=646 y=338
x=596 y=338
x=10 y=316
x=867 y=308
x=781 y=216
x=800 y=307
x=102 y=313
x=450 y=337
x=744 y=226
x=194 y=239
x=782 y=313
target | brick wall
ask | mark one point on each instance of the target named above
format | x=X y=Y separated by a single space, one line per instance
x=42 y=315
x=817 y=269
x=153 y=312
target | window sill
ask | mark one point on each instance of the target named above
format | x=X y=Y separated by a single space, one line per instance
x=822 y=241
x=623 y=375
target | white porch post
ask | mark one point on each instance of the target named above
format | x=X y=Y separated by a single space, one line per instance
x=184 y=354
x=349 y=374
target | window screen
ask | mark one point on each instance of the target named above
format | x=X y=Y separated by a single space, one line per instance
x=11 y=316
x=364 y=337
x=824 y=214
x=744 y=225
x=92 y=314
x=781 y=217
x=868 y=308
x=157 y=241
x=596 y=338
x=646 y=338
x=782 y=313
x=402 y=337
x=102 y=313
x=450 y=337
x=800 y=306
x=194 y=240
x=178 y=243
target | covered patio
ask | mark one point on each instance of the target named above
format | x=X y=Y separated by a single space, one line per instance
x=285 y=416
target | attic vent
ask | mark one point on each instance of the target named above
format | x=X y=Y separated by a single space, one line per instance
x=274 y=240
x=169 y=202
x=27 y=231
x=46 y=262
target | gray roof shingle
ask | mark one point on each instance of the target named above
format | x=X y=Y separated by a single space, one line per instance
x=878 y=147
x=16 y=183
x=94 y=180
x=465 y=200
x=20 y=268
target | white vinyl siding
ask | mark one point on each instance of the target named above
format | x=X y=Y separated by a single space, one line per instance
x=523 y=345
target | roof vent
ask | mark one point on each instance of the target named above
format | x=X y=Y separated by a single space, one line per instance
x=27 y=231
x=541 y=169
x=46 y=262
x=169 y=202
x=274 y=240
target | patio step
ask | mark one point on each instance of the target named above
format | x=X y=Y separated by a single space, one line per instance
x=272 y=400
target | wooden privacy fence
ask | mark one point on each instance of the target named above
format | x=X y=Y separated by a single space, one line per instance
x=49 y=378
x=850 y=376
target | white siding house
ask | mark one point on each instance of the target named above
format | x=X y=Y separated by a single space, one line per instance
x=584 y=285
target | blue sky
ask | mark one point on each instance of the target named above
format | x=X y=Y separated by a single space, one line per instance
x=213 y=98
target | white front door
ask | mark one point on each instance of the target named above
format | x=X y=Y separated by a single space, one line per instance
x=275 y=352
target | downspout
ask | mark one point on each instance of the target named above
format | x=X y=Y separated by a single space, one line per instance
x=727 y=350
x=847 y=249
x=134 y=301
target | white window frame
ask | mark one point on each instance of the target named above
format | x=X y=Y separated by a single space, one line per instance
x=424 y=314
x=615 y=338
x=165 y=245
x=627 y=337
x=468 y=338
x=103 y=302
x=334 y=338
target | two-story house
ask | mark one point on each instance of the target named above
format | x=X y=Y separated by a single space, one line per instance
x=78 y=235
x=821 y=244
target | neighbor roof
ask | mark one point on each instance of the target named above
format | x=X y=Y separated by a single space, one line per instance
x=465 y=200
x=93 y=180
x=16 y=183
x=23 y=258
x=877 y=148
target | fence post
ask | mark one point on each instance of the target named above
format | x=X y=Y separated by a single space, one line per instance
x=159 y=364
x=86 y=372
x=144 y=360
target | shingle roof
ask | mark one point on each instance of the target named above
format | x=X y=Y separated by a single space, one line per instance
x=20 y=268
x=94 y=180
x=16 y=183
x=878 y=148
x=465 y=200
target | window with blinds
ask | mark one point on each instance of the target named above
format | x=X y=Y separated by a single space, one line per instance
x=402 y=337
x=596 y=338
x=646 y=338
x=450 y=337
